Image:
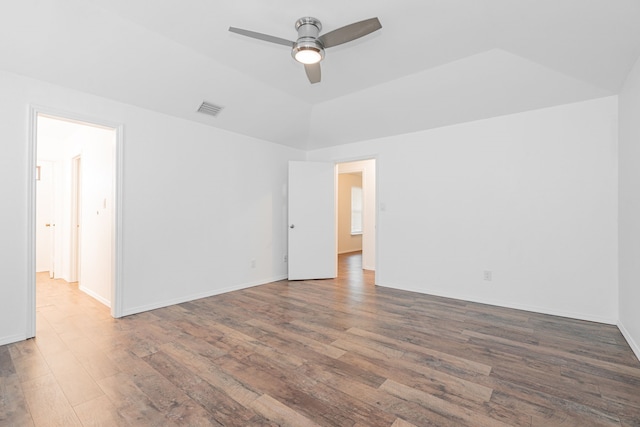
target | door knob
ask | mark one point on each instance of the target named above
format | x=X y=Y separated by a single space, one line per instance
x=47 y=225
x=292 y=226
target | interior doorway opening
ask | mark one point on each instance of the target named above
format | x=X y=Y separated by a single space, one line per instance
x=312 y=233
x=356 y=215
x=75 y=209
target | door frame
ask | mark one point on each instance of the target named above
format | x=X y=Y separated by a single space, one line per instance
x=377 y=209
x=116 y=267
x=76 y=216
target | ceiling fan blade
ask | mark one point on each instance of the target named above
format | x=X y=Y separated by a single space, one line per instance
x=261 y=36
x=350 y=32
x=313 y=72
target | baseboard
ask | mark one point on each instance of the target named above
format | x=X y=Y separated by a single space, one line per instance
x=95 y=296
x=13 y=338
x=627 y=336
x=515 y=306
x=192 y=297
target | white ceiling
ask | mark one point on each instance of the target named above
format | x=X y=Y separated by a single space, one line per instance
x=434 y=62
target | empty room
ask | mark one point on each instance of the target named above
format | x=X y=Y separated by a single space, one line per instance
x=366 y=213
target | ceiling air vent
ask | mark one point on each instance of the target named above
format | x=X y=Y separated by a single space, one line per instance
x=210 y=109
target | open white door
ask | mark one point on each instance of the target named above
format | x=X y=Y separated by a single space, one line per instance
x=312 y=232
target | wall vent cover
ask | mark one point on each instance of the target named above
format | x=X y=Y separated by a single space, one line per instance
x=210 y=109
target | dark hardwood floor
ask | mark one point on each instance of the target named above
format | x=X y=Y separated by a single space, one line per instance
x=330 y=353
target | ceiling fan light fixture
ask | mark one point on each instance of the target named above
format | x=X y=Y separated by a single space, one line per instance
x=308 y=54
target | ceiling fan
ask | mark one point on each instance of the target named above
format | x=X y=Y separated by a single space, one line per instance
x=309 y=48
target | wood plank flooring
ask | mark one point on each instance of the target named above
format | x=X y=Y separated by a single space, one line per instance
x=315 y=353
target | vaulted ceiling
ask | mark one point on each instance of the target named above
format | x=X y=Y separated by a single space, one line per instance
x=434 y=62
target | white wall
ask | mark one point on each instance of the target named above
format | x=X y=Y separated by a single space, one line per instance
x=199 y=203
x=97 y=211
x=531 y=197
x=629 y=231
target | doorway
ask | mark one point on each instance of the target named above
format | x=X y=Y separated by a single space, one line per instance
x=83 y=159
x=356 y=211
x=349 y=212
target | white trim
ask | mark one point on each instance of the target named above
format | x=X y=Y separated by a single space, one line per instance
x=95 y=296
x=523 y=307
x=76 y=165
x=30 y=330
x=117 y=280
x=193 y=297
x=627 y=336
x=376 y=267
x=117 y=287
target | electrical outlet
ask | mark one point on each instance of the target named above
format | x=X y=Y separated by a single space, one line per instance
x=487 y=275
x=253 y=263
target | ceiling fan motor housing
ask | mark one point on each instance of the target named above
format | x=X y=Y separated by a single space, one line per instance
x=308 y=31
